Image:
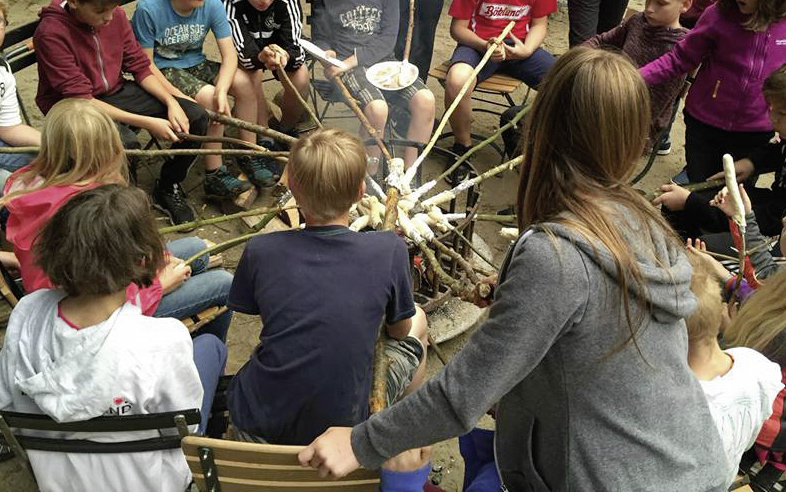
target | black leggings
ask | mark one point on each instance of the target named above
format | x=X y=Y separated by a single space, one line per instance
x=590 y=17
x=135 y=99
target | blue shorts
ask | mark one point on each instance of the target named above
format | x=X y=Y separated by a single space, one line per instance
x=529 y=71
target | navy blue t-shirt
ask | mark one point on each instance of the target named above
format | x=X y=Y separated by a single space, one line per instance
x=321 y=293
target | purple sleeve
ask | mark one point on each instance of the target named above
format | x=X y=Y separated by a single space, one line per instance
x=401 y=304
x=688 y=53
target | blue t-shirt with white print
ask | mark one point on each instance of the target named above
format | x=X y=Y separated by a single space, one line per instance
x=177 y=40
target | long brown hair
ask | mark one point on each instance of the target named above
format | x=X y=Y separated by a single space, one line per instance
x=767 y=12
x=586 y=129
x=761 y=322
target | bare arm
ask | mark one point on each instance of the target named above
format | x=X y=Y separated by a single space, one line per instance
x=460 y=31
x=225 y=74
x=536 y=35
x=161 y=79
x=20 y=136
x=159 y=127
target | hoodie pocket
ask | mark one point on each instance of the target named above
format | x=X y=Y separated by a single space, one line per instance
x=519 y=473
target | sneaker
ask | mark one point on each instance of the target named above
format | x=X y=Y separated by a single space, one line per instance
x=461 y=172
x=257 y=170
x=172 y=201
x=221 y=184
x=665 y=148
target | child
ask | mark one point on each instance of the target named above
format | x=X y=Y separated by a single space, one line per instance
x=644 y=37
x=82 y=351
x=81 y=149
x=266 y=33
x=690 y=212
x=362 y=33
x=171 y=33
x=321 y=293
x=473 y=26
x=584 y=371
x=83 y=47
x=759 y=325
x=740 y=384
x=738 y=43
x=12 y=132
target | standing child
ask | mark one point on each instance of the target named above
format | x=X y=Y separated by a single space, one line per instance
x=12 y=132
x=171 y=33
x=362 y=33
x=83 y=48
x=81 y=149
x=473 y=26
x=738 y=43
x=83 y=350
x=266 y=34
x=740 y=383
x=644 y=37
x=584 y=348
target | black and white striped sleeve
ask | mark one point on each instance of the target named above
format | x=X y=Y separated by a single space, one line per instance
x=245 y=44
x=290 y=31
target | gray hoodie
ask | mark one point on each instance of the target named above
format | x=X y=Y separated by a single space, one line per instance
x=571 y=416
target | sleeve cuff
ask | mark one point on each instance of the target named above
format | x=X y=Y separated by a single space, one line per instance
x=142 y=75
x=404 y=481
x=363 y=449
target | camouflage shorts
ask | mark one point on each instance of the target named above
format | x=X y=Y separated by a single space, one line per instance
x=191 y=80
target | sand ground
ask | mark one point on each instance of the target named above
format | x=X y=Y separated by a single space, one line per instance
x=497 y=193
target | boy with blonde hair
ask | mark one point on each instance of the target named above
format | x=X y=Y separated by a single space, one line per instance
x=321 y=293
x=740 y=383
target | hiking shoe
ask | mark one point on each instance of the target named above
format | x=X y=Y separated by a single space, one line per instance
x=221 y=184
x=460 y=173
x=172 y=201
x=665 y=148
x=257 y=170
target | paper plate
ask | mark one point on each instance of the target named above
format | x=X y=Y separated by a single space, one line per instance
x=389 y=75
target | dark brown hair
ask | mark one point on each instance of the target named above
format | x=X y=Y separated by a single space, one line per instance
x=101 y=241
x=774 y=87
x=767 y=12
x=587 y=127
x=101 y=4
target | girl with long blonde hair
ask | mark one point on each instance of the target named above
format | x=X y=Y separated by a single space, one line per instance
x=585 y=346
x=81 y=149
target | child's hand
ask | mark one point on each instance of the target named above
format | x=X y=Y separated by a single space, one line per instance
x=409 y=461
x=722 y=202
x=221 y=102
x=743 y=167
x=282 y=57
x=161 y=129
x=331 y=453
x=269 y=57
x=173 y=275
x=674 y=197
x=518 y=51
x=492 y=281
x=699 y=249
x=177 y=117
x=499 y=53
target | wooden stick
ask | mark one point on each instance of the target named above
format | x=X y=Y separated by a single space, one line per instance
x=435 y=348
x=463 y=263
x=484 y=143
x=494 y=44
x=467 y=183
x=504 y=219
x=228 y=140
x=218 y=248
x=703 y=185
x=410 y=28
x=278 y=155
x=267 y=218
x=353 y=105
x=285 y=77
x=245 y=125
x=222 y=218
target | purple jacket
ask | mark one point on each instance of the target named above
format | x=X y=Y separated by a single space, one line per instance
x=735 y=62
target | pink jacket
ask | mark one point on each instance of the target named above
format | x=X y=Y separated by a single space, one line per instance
x=734 y=63
x=27 y=216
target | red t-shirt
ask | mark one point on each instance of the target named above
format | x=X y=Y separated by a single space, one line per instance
x=487 y=18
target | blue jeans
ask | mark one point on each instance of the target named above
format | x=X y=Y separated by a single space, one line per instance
x=203 y=290
x=12 y=162
x=210 y=357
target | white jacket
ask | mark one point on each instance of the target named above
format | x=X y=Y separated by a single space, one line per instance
x=741 y=400
x=128 y=365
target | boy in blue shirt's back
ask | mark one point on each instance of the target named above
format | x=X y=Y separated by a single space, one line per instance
x=321 y=293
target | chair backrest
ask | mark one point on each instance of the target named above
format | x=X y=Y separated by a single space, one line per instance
x=226 y=466
x=12 y=425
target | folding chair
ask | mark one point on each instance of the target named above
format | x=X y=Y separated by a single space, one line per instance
x=230 y=466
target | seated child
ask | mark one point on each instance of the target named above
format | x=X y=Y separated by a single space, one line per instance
x=82 y=350
x=644 y=37
x=171 y=33
x=81 y=149
x=83 y=47
x=266 y=33
x=362 y=33
x=690 y=212
x=321 y=293
x=740 y=384
x=12 y=132
x=474 y=24
x=760 y=325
